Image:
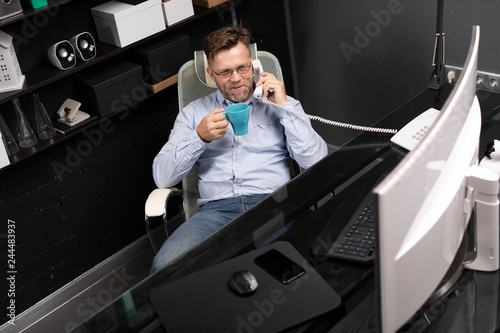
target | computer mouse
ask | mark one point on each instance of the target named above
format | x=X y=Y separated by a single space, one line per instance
x=243 y=282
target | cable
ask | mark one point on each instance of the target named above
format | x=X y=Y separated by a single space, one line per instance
x=331 y=122
x=365 y=145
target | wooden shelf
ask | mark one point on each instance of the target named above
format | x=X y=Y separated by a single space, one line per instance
x=154 y=88
x=208 y=3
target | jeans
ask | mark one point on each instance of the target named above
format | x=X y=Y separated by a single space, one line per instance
x=210 y=218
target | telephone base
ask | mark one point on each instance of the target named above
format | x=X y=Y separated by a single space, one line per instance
x=78 y=118
x=414 y=132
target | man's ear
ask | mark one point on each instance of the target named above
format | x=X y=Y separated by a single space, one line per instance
x=210 y=73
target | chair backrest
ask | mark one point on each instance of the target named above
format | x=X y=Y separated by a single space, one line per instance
x=193 y=82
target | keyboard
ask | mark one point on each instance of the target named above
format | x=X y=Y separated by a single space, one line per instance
x=356 y=242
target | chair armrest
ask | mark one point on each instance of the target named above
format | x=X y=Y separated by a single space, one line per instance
x=155 y=204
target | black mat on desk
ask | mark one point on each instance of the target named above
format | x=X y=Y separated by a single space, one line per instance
x=204 y=302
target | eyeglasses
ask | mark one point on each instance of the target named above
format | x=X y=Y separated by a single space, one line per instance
x=228 y=72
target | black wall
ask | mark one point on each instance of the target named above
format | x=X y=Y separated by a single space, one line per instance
x=359 y=60
x=82 y=200
x=67 y=222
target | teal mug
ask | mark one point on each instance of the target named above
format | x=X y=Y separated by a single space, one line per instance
x=238 y=115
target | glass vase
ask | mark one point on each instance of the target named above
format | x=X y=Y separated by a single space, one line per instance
x=44 y=126
x=27 y=138
x=8 y=139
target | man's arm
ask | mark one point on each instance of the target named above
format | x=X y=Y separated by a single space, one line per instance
x=177 y=156
x=304 y=144
x=187 y=142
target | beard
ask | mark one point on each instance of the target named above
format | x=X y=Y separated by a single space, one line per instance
x=238 y=97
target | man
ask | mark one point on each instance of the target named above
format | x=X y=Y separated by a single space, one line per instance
x=235 y=172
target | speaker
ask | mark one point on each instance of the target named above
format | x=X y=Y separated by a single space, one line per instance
x=9 y=8
x=84 y=45
x=62 y=55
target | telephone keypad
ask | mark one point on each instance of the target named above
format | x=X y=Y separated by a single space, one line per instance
x=420 y=134
x=411 y=134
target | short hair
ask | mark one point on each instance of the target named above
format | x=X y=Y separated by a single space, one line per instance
x=224 y=39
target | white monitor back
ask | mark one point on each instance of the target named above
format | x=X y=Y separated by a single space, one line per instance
x=424 y=205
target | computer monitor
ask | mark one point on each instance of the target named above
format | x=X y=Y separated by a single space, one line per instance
x=423 y=207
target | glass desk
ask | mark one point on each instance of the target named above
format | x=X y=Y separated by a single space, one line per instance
x=331 y=190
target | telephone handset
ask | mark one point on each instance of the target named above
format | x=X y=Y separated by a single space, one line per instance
x=413 y=132
x=257 y=69
x=258 y=93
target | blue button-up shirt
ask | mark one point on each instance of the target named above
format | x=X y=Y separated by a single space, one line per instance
x=255 y=163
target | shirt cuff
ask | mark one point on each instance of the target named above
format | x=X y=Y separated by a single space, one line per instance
x=196 y=143
x=289 y=104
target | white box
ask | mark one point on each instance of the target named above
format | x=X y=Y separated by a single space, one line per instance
x=122 y=24
x=177 y=10
x=4 y=158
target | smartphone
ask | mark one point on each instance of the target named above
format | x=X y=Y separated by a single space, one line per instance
x=280 y=266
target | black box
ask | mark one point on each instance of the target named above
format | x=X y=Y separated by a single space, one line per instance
x=162 y=59
x=112 y=88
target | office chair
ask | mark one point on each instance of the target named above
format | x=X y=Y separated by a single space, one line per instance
x=194 y=82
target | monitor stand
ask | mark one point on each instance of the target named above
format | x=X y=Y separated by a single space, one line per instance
x=454 y=271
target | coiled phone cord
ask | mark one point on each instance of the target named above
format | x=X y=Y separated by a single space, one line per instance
x=331 y=122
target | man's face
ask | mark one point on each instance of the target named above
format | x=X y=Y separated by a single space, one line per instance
x=237 y=87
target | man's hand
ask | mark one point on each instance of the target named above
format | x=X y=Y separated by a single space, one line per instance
x=269 y=81
x=213 y=126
